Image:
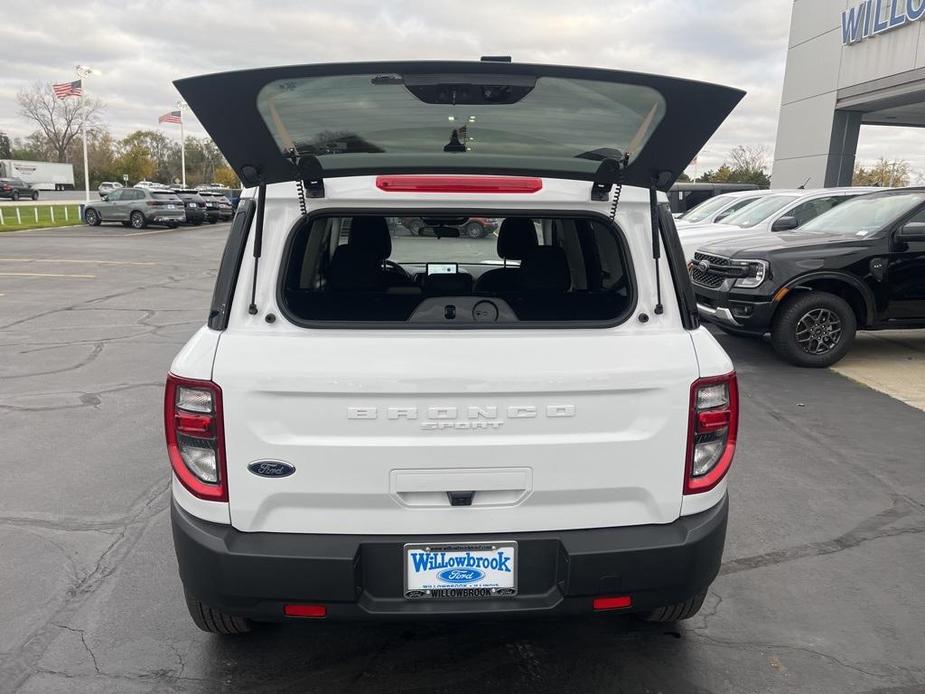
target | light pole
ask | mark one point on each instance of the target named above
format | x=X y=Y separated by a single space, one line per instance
x=83 y=72
x=182 y=105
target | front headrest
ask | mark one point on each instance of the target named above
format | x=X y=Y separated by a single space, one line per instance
x=371 y=234
x=516 y=238
x=354 y=269
x=546 y=269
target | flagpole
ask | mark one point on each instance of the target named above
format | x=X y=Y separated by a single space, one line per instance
x=181 y=105
x=82 y=73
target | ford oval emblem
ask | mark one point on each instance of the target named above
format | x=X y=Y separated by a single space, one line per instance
x=271 y=468
x=460 y=575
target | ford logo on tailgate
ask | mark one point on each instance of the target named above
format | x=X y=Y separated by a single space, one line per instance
x=271 y=468
x=460 y=575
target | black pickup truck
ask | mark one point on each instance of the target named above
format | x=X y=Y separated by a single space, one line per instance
x=860 y=266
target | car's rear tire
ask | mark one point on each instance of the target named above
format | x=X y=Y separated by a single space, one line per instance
x=137 y=220
x=92 y=217
x=474 y=230
x=676 y=612
x=14 y=195
x=215 y=622
x=813 y=329
x=35 y=195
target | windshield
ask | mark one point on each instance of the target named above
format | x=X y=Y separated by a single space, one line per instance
x=707 y=208
x=469 y=116
x=865 y=215
x=759 y=210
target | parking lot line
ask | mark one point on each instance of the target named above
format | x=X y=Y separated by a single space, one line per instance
x=45 y=274
x=74 y=260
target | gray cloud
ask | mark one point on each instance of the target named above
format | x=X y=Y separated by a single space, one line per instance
x=141 y=47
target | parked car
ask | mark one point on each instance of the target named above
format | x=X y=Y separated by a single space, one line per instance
x=338 y=453
x=860 y=266
x=781 y=211
x=194 y=204
x=685 y=196
x=137 y=208
x=472 y=227
x=107 y=187
x=16 y=188
x=717 y=208
x=218 y=206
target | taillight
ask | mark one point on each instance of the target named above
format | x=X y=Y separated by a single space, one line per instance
x=196 y=437
x=404 y=183
x=714 y=424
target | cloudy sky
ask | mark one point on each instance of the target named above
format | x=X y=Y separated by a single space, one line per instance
x=141 y=47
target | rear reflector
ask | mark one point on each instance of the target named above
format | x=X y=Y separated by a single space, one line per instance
x=310 y=611
x=458 y=184
x=616 y=602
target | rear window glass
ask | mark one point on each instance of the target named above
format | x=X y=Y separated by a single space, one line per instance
x=457 y=271
x=471 y=116
x=159 y=195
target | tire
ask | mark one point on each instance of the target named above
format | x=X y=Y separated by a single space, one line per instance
x=137 y=220
x=92 y=217
x=14 y=196
x=678 y=611
x=415 y=226
x=474 y=230
x=35 y=195
x=213 y=621
x=826 y=326
x=196 y=224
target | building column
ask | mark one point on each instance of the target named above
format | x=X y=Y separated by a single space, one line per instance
x=843 y=147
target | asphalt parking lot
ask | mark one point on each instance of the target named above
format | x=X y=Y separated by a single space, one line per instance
x=822 y=587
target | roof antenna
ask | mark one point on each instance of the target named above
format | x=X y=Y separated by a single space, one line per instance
x=803 y=187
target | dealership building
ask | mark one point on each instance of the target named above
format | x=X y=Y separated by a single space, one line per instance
x=849 y=63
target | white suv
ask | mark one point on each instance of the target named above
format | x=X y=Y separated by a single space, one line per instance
x=374 y=424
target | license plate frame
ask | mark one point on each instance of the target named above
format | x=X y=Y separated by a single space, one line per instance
x=479 y=589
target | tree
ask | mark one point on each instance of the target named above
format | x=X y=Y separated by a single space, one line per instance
x=59 y=120
x=32 y=148
x=101 y=158
x=888 y=174
x=6 y=147
x=227 y=177
x=202 y=160
x=135 y=160
x=747 y=164
x=163 y=151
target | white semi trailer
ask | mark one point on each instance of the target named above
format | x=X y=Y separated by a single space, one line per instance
x=41 y=175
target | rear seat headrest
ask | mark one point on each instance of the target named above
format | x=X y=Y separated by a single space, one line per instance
x=371 y=235
x=546 y=269
x=516 y=238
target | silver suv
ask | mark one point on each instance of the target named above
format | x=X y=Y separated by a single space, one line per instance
x=137 y=208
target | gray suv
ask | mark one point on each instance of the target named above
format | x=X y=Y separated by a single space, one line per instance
x=137 y=208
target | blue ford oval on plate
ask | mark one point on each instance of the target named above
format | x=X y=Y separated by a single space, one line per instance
x=461 y=575
x=271 y=468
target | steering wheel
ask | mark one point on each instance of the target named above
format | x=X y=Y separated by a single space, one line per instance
x=396 y=269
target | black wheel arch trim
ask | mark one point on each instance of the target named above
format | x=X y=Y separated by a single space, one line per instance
x=867 y=295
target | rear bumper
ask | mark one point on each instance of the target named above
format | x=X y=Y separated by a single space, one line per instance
x=360 y=577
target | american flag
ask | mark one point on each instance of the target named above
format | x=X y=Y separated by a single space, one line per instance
x=172 y=117
x=66 y=89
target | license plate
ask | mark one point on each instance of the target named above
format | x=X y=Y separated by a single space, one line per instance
x=460 y=571
x=170 y=207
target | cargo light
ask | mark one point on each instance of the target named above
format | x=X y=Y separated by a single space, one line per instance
x=196 y=437
x=307 y=611
x=405 y=183
x=615 y=602
x=712 y=430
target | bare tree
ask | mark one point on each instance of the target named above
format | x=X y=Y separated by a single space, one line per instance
x=749 y=158
x=59 y=120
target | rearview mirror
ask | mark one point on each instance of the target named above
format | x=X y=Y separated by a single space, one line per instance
x=913 y=231
x=785 y=224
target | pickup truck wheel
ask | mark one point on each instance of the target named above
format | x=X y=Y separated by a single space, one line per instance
x=213 y=621
x=672 y=613
x=813 y=329
x=15 y=195
x=35 y=195
x=137 y=220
